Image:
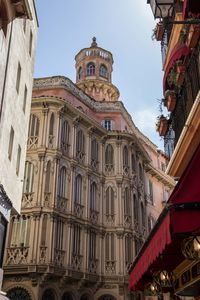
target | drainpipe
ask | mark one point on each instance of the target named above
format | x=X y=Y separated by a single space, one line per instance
x=6 y=71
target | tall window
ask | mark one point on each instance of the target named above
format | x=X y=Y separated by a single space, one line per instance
x=142 y=214
x=107 y=124
x=133 y=163
x=135 y=208
x=51 y=131
x=151 y=191
x=48 y=176
x=125 y=159
x=44 y=231
x=80 y=73
x=90 y=69
x=140 y=172
x=18 y=159
x=93 y=195
x=80 y=145
x=110 y=201
x=127 y=210
x=62 y=182
x=103 y=71
x=76 y=240
x=10 y=147
x=20 y=231
x=94 y=153
x=109 y=155
x=65 y=136
x=78 y=189
x=28 y=177
x=59 y=235
x=33 y=131
x=25 y=98
x=30 y=42
x=92 y=245
x=128 y=249
x=19 y=70
x=110 y=247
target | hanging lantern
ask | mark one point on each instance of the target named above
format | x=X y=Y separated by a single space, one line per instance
x=162 y=8
x=164 y=279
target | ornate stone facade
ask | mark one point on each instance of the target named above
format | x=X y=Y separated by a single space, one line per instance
x=85 y=208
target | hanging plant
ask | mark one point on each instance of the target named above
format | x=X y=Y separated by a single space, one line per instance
x=170 y=100
x=162 y=125
x=180 y=72
x=158 y=32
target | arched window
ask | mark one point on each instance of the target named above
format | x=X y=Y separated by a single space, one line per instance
x=80 y=145
x=133 y=163
x=48 y=176
x=78 y=189
x=80 y=73
x=51 y=130
x=65 y=137
x=19 y=294
x=109 y=155
x=103 y=71
x=94 y=153
x=49 y=295
x=93 y=195
x=140 y=172
x=85 y=297
x=62 y=184
x=4 y=18
x=107 y=297
x=125 y=160
x=33 y=131
x=90 y=69
x=128 y=250
x=110 y=247
x=28 y=178
x=127 y=211
x=110 y=210
x=76 y=240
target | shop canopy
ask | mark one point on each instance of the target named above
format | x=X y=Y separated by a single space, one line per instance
x=191 y=9
x=180 y=218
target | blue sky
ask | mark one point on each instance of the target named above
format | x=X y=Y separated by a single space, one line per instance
x=123 y=27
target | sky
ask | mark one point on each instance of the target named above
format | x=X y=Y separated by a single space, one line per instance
x=124 y=27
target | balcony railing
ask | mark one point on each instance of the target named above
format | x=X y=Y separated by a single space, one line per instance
x=59 y=257
x=93 y=265
x=110 y=267
x=17 y=255
x=77 y=261
x=27 y=200
x=78 y=210
x=94 y=215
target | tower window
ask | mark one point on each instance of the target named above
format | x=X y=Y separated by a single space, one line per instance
x=103 y=71
x=90 y=69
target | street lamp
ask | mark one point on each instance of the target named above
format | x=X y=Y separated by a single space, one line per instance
x=191 y=248
x=162 y=8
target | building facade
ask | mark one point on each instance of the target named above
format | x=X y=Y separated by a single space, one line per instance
x=93 y=187
x=18 y=30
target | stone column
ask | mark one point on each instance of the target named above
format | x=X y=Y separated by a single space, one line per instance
x=118 y=157
x=119 y=252
x=45 y=110
x=41 y=177
x=120 y=208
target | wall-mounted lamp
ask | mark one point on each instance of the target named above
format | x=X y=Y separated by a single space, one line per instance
x=164 y=278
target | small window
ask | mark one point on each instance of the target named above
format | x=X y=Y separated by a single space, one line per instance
x=103 y=72
x=24 y=25
x=162 y=166
x=25 y=98
x=80 y=73
x=151 y=191
x=90 y=69
x=10 y=147
x=19 y=70
x=107 y=124
x=18 y=159
x=30 y=42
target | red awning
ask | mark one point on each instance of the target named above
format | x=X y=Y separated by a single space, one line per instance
x=182 y=217
x=154 y=248
x=179 y=52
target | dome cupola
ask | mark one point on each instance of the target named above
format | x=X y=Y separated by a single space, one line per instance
x=94 y=73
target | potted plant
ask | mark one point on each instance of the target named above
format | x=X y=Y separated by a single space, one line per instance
x=193 y=35
x=180 y=72
x=162 y=125
x=158 y=31
x=170 y=100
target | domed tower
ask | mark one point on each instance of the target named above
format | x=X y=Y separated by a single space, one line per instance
x=94 y=73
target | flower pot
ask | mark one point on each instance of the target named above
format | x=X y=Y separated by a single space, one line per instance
x=163 y=126
x=170 y=101
x=193 y=36
x=159 y=31
x=180 y=74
